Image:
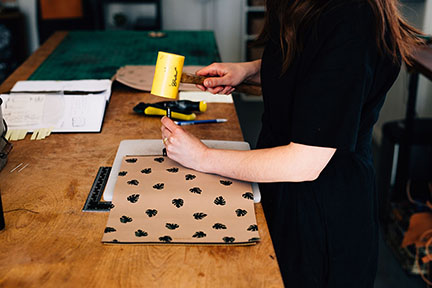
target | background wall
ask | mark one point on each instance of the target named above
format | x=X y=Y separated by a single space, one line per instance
x=221 y=16
x=28 y=8
x=419 y=14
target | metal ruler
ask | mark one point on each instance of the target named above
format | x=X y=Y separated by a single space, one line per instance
x=94 y=202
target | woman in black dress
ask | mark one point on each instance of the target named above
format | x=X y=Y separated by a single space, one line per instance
x=325 y=72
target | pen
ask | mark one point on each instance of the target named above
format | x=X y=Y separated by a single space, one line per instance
x=193 y=122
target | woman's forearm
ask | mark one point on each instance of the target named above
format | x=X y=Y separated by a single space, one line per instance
x=290 y=163
x=253 y=68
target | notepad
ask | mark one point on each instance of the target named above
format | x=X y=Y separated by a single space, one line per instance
x=60 y=106
x=64 y=113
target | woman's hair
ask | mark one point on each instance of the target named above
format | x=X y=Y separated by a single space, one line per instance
x=394 y=36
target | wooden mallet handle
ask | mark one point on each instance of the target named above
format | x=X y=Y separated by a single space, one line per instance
x=248 y=88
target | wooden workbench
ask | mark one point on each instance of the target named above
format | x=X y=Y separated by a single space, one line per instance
x=49 y=242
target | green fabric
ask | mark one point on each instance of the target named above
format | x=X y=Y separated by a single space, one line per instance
x=98 y=54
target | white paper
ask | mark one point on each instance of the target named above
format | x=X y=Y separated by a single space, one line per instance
x=23 y=110
x=66 y=113
x=205 y=96
x=40 y=86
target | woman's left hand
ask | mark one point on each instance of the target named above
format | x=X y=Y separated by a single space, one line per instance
x=182 y=146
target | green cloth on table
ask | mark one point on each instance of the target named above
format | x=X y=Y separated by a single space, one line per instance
x=98 y=54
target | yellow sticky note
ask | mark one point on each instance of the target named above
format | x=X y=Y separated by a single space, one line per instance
x=14 y=135
x=35 y=132
x=22 y=134
x=8 y=134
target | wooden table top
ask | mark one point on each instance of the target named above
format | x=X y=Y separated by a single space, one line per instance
x=49 y=242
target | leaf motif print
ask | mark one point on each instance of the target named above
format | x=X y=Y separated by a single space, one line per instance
x=199 y=215
x=122 y=173
x=173 y=170
x=254 y=239
x=146 y=171
x=177 y=202
x=159 y=186
x=240 y=212
x=151 y=212
x=228 y=239
x=131 y=160
x=171 y=226
x=199 y=234
x=219 y=201
x=125 y=219
x=195 y=190
x=248 y=195
x=225 y=182
x=219 y=226
x=165 y=239
x=253 y=227
x=189 y=177
x=133 y=182
x=141 y=233
x=159 y=159
x=109 y=230
x=133 y=198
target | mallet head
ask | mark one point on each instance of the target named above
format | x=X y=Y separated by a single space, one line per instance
x=166 y=81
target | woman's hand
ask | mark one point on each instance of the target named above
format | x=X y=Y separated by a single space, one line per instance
x=228 y=76
x=182 y=146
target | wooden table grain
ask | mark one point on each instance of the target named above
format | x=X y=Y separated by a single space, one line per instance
x=49 y=242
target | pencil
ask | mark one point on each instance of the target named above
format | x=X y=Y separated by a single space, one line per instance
x=193 y=122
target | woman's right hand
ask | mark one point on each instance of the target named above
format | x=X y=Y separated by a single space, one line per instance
x=227 y=75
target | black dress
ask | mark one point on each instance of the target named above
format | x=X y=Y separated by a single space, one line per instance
x=325 y=232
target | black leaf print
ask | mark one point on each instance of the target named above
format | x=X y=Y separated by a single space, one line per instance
x=228 y=239
x=125 y=219
x=159 y=159
x=133 y=198
x=199 y=234
x=165 y=239
x=225 y=182
x=220 y=201
x=109 y=229
x=254 y=239
x=122 y=173
x=131 y=160
x=240 y=212
x=151 y=212
x=141 y=233
x=173 y=170
x=159 y=186
x=219 y=226
x=189 y=177
x=177 y=202
x=172 y=226
x=195 y=190
x=199 y=215
x=146 y=171
x=133 y=182
x=248 y=195
x=253 y=227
